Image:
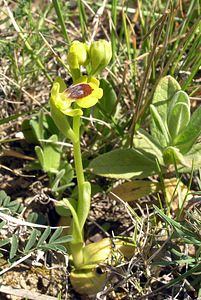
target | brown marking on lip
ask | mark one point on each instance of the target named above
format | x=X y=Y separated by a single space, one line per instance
x=79 y=91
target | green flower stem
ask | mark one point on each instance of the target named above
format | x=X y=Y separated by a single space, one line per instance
x=77 y=155
x=77 y=248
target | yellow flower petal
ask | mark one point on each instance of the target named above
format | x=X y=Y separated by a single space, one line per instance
x=72 y=112
x=87 y=102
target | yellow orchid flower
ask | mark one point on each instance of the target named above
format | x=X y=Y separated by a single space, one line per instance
x=84 y=93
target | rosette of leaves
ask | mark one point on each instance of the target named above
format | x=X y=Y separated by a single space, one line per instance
x=170 y=144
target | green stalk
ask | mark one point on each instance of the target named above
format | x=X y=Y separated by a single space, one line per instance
x=57 y=7
x=77 y=154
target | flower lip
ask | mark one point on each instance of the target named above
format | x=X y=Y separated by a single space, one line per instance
x=79 y=91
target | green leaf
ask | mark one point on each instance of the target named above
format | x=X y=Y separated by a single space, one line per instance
x=161 y=133
x=32 y=240
x=4 y=242
x=181 y=231
x=39 y=153
x=14 y=246
x=2 y=224
x=57 y=179
x=131 y=191
x=63 y=239
x=179 y=119
x=84 y=205
x=194 y=159
x=165 y=90
x=4 y=199
x=172 y=155
x=187 y=138
x=56 y=234
x=108 y=101
x=44 y=236
x=179 y=97
x=144 y=141
x=125 y=164
x=52 y=155
x=63 y=210
x=77 y=233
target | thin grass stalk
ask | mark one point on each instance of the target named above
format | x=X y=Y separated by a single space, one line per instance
x=27 y=45
x=184 y=48
x=57 y=7
x=83 y=19
x=145 y=79
x=193 y=72
x=168 y=64
x=113 y=33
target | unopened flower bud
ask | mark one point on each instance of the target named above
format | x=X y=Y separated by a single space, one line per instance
x=100 y=54
x=77 y=55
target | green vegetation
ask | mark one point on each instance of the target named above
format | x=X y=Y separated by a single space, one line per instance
x=107 y=180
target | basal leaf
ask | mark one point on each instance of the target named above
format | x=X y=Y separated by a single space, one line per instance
x=172 y=155
x=165 y=90
x=125 y=164
x=194 y=159
x=187 y=138
x=179 y=97
x=131 y=191
x=179 y=119
x=161 y=133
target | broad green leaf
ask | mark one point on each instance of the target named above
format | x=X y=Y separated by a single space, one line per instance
x=194 y=159
x=161 y=134
x=179 y=97
x=187 y=138
x=143 y=140
x=28 y=132
x=179 y=119
x=165 y=90
x=131 y=191
x=172 y=155
x=51 y=155
x=32 y=240
x=125 y=164
x=14 y=246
